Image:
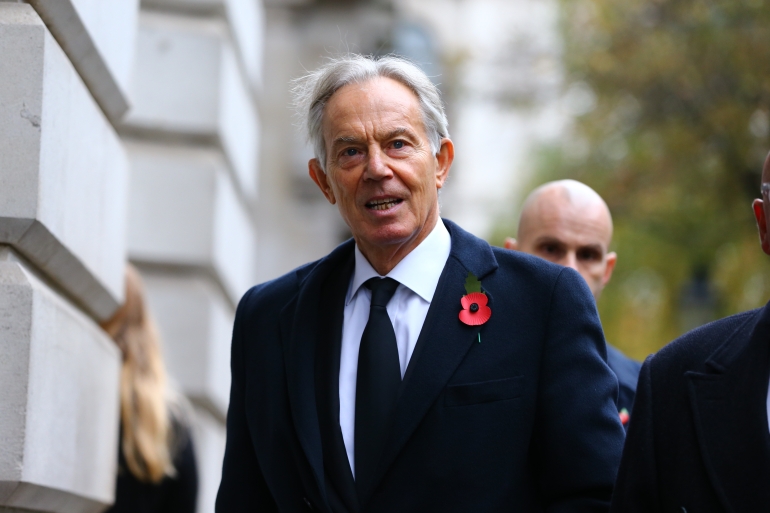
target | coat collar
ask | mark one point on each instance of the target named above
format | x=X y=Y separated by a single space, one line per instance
x=730 y=413
x=442 y=345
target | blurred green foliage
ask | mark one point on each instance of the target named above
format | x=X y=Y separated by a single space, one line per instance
x=671 y=99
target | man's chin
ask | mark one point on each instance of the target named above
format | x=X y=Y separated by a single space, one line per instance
x=392 y=234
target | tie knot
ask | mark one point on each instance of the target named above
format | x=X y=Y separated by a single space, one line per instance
x=382 y=290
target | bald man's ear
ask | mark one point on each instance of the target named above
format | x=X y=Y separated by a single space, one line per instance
x=759 y=214
x=612 y=259
x=511 y=243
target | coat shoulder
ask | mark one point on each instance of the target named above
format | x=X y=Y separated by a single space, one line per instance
x=276 y=293
x=525 y=261
x=528 y=266
x=626 y=369
x=506 y=268
x=693 y=349
x=534 y=277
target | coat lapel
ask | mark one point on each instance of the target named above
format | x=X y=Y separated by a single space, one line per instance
x=299 y=322
x=443 y=342
x=341 y=488
x=730 y=412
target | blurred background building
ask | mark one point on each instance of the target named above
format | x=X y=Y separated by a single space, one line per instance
x=161 y=132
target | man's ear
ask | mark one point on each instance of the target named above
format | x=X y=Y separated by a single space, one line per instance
x=444 y=158
x=612 y=259
x=321 y=180
x=511 y=243
x=759 y=214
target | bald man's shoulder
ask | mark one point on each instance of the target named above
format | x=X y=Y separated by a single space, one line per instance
x=535 y=276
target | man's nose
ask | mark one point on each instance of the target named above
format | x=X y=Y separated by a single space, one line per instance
x=571 y=260
x=376 y=167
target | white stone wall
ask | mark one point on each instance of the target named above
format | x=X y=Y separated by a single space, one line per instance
x=125 y=131
x=63 y=206
x=193 y=142
x=210 y=447
x=64 y=171
x=98 y=37
x=59 y=411
x=188 y=83
x=196 y=319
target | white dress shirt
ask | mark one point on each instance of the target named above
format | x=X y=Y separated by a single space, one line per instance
x=417 y=274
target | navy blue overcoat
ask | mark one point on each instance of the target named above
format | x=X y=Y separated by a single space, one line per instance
x=517 y=414
x=699 y=440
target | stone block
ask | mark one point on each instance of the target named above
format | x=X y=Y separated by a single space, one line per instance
x=63 y=180
x=239 y=128
x=246 y=19
x=207 y=7
x=187 y=83
x=98 y=37
x=195 y=321
x=59 y=409
x=209 y=440
x=185 y=211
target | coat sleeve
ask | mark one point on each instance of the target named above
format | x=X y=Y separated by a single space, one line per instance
x=636 y=489
x=579 y=437
x=243 y=487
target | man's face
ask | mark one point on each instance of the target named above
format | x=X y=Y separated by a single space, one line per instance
x=380 y=169
x=573 y=237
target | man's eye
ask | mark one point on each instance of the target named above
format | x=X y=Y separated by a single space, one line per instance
x=588 y=255
x=350 y=152
x=398 y=144
x=550 y=249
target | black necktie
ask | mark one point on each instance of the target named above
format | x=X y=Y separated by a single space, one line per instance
x=377 y=382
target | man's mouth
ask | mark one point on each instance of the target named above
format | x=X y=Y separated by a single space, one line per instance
x=383 y=204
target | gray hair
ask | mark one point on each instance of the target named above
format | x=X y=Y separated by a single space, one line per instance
x=312 y=92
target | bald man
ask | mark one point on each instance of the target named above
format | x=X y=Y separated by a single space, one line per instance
x=699 y=440
x=568 y=223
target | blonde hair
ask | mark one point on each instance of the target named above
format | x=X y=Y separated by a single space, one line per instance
x=144 y=411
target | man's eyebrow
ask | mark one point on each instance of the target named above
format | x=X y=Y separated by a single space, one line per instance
x=349 y=139
x=345 y=139
x=593 y=247
x=548 y=239
x=396 y=132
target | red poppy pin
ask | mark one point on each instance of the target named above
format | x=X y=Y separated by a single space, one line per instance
x=475 y=311
x=624 y=416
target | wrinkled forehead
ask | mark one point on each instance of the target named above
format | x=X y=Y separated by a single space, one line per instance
x=372 y=109
x=372 y=96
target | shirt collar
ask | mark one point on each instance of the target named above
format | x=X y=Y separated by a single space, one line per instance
x=419 y=271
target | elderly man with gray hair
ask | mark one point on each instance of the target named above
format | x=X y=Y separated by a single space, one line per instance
x=414 y=368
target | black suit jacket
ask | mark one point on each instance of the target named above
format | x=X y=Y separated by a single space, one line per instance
x=698 y=440
x=523 y=420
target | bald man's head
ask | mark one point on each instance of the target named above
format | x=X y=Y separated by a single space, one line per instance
x=569 y=224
